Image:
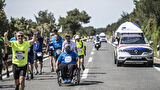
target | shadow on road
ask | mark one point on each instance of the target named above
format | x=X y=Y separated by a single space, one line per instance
x=84 y=83
x=157 y=64
x=137 y=65
x=7 y=86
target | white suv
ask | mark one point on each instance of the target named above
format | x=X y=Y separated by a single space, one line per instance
x=133 y=49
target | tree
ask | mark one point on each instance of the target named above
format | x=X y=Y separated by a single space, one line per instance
x=3 y=18
x=73 y=21
x=45 y=17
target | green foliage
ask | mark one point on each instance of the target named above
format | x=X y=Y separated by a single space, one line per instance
x=73 y=21
x=147 y=15
x=45 y=17
x=3 y=18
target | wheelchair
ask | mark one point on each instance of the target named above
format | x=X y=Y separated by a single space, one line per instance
x=75 y=79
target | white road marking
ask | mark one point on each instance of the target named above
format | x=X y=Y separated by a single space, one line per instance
x=85 y=74
x=157 y=68
x=92 y=53
x=90 y=59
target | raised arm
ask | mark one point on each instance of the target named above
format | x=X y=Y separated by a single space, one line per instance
x=6 y=39
x=34 y=37
x=42 y=31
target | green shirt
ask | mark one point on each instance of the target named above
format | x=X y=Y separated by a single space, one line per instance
x=20 y=53
x=80 y=46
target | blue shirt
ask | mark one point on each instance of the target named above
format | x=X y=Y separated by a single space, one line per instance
x=56 y=47
x=68 y=58
x=38 y=47
x=13 y=39
x=53 y=38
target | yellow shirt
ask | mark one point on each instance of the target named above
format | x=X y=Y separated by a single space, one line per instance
x=80 y=48
x=20 y=53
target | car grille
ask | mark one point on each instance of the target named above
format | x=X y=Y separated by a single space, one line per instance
x=136 y=52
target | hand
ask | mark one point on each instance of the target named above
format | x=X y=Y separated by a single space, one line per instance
x=6 y=34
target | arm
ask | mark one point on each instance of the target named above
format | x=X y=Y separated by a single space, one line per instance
x=85 y=50
x=6 y=39
x=42 y=31
x=34 y=37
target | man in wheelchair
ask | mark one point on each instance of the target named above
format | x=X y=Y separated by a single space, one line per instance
x=67 y=62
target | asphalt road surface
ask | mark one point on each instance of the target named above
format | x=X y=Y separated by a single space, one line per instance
x=100 y=74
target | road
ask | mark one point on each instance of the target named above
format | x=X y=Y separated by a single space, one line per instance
x=100 y=74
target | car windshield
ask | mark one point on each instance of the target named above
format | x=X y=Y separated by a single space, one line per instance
x=133 y=40
x=102 y=36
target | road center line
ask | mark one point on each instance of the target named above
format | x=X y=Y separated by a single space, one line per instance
x=92 y=53
x=85 y=74
x=90 y=59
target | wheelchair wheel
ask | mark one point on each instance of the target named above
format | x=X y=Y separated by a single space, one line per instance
x=76 y=77
x=59 y=78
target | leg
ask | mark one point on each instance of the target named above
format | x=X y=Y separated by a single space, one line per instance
x=71 y=68
x=21 y=83
x=36 y=66
x=82 y=62
x=22 y=76
x=41 y=64
x=63 y=68
x=51 y=62
x=1 y=65
x=16 y=73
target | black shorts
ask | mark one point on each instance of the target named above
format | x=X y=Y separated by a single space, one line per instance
x=40 y=58
x=5 y=58
x=19 y=71
x=51 y=53
x=81 y=56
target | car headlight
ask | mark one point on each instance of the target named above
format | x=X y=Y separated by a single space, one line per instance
x=148 y=52
x=121 y=50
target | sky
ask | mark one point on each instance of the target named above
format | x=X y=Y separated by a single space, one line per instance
x=102 y=12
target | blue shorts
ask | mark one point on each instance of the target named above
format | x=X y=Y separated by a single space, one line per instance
x=31 y=59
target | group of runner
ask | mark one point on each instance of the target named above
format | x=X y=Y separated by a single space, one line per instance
x=27 y=51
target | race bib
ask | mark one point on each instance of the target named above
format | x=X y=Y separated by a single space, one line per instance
x=20 y=54
x=68 y=59
x=51 y=47
x=58 y=51
x=39 y=54
x=79 y=50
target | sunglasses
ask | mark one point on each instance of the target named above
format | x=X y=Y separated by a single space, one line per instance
x=20 y=36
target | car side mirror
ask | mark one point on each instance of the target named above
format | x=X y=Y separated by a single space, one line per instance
x=150 y=42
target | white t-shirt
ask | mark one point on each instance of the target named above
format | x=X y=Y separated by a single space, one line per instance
x=72 y=45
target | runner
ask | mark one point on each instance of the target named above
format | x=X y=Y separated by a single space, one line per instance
x=38 y=54
x=56 y=33
x=5 y=58
x=81 y=47
x=20 y=56
x=15 y=36
x=51 y=52
x=30 y=58
x=72 y=44
x=1 y=54
x=57 y=47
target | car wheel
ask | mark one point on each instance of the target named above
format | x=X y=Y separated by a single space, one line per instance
x=150 y=64
x=118 y=63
